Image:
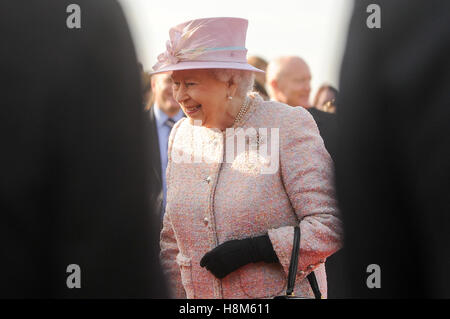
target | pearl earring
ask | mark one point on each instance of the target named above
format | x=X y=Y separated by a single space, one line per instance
x=230 y=97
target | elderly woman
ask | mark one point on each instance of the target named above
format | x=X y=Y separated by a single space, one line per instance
x=231 y=211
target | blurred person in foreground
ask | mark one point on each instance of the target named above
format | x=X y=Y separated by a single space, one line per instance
x=75 y=181
x=230 y=216
x=393 y=165
x=325 y=99
x=288 y=81
x=260 y=78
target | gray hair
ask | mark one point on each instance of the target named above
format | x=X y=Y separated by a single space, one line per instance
x=243 y=79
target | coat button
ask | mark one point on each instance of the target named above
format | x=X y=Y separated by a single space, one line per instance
x=301 y=272
x=208 y=179
x=310 y=267
x=206 y=220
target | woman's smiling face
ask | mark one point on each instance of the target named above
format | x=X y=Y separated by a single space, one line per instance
x=201 y=96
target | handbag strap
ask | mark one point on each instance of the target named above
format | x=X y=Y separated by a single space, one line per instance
x=294 y=265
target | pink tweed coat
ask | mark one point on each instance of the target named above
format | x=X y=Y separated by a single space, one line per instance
x=211 y=199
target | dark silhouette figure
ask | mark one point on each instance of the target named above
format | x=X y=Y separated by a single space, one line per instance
x=75 y=181
x=393 y=163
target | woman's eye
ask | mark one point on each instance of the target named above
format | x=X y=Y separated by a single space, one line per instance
x=190 y=84
x=175 y=84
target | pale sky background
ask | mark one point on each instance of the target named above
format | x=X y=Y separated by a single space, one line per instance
x=313 y=29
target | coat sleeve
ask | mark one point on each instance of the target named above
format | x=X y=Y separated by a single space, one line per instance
x=169 y=246
x=169 y=253
x=306 y=172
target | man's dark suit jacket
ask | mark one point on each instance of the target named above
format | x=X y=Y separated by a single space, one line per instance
x=158 y=195
x=393 y=163
x=156 y=162
x=75 y=164
x=327 y=125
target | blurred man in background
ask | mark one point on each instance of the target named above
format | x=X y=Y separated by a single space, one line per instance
x=288 y=80
x=164 y=113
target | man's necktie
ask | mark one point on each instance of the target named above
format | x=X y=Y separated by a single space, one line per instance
x=170 y=123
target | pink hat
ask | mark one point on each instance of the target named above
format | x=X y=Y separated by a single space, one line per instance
x=211 y=43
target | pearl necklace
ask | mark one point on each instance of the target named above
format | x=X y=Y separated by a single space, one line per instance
x=242 y=111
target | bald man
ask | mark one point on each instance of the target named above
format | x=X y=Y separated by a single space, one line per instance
x=288 y=81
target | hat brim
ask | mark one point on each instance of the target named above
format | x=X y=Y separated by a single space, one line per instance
x=194 y=65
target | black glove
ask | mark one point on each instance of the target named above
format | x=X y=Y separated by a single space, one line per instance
x=233 y=254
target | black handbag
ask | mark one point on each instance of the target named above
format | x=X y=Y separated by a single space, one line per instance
x=293 y=272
